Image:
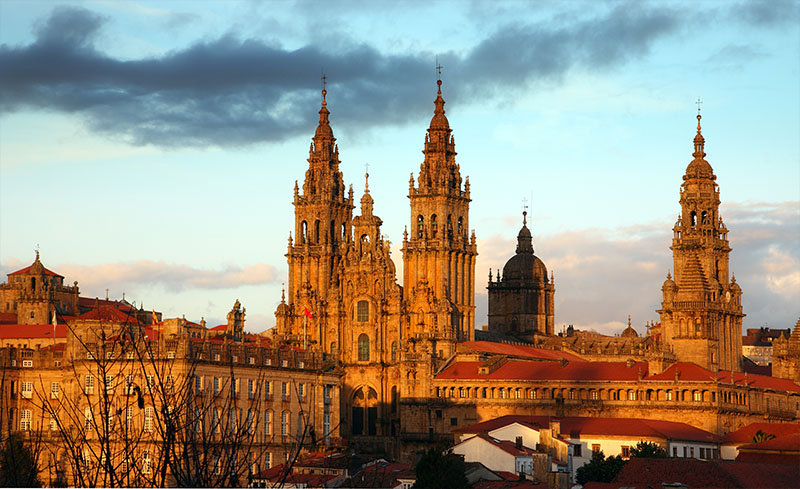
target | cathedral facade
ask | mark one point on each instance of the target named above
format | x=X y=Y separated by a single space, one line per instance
x=343 y=298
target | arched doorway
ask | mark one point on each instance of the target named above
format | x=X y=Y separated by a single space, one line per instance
x=365 y=412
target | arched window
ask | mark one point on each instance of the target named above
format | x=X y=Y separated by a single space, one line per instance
x=285 y=423
x=394 y=351
x=420 y=226
x=703 y=217
x=449 y=227
x=694 y=218
x=434 y=226
x=362 y=311
x=460 y=226
x=363 y=348
x=303 y=232
x=316 y=231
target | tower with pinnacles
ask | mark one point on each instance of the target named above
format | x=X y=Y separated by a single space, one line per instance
x=701 y=311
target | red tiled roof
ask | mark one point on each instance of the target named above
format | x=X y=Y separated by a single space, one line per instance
x=309 y=480
x=221 y=327
x=520 y=351
x=530 y=370
x=108 y=313
x=8 y=318
x=505 y=445
x=91 y=302
x=570 y=426
x=381 y=474
x=44 y=331
x=695 y=473
x=534 y=422
x=56 y=347
x=27 y=269
x=785 y=443
x=692 y=372
x=745 y=434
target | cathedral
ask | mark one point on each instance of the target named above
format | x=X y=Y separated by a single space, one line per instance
x=343 y=296
x=412 y=366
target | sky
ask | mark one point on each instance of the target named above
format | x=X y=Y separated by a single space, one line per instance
x=151 y=148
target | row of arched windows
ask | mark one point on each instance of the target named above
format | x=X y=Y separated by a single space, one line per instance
x=434 y=226
x=363 y=348
x=314 y=236
x=535 y=393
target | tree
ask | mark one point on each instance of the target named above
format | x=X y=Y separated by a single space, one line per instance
x=762 y=436
x=648 y=449
x=18 y=464
x=600 y=468
x=440 y=470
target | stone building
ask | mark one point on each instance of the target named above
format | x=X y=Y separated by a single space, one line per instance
x=701 y=311
x=786 y=356
x=521 y=301
x=113 y=395
x=343 y=297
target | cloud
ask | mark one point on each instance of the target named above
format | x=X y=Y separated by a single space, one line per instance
x=230 y=91
x=146 y=273
x=602 y=275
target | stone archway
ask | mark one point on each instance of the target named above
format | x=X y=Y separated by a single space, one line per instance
x=365 y=412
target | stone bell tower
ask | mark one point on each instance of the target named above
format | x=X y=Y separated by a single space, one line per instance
x=701 y=312
x=323 y=228
x=439 y=251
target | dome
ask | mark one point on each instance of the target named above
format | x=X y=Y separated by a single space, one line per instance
x=525 y=267
x=439 y=120
x=669 y=284
x=699 y=168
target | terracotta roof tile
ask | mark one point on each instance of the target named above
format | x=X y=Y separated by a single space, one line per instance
x=43 y=331
x=529 y=370
x=27 y=269
x=746 y=433
x=520 y=351
x=506 y=446
x=692 y=372
x=707 y=474
x=785 y=443
x=108 y=313
x=8 y=318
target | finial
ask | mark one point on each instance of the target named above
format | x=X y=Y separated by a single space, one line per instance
x=524 y=218
x=629 y=320
x=324 y=89
x=366 y=178
x=669 y=275
x=283 y=292
x=698 y=114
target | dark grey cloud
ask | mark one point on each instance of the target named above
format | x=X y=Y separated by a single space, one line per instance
x=230 y=91
x=767 y=13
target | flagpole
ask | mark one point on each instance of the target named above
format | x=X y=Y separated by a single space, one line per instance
x=305 y=338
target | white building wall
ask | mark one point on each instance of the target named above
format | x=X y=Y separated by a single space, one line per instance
x=530 y=436
x=477 y=449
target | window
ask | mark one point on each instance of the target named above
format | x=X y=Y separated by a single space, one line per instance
x=25 y=417
x=284 y=363
x=148 y=419
x=675 y=452
x=698 y=396
x=89 y=355
x=89 y=384
x=363 y=348
x=594 y=395
x=129 y=384
x=215 y=420
x=129 y=355
x=691 y=452
x=362 y=311
x=27 y=390
x=669 y=395
x=146 y=462
x=301 y=391
x=87 y=419
x=129 y=417
x=250 y=422
x=53 y=423
x=626 y=452
x=267 y=390
x=170 y=354
x=151 y=383
x=595 y=447
x=326 y=424
x=251 y=389
x=285 y=423
x=268 y=422
x=453 y=421
x=216 y=385
x=394 y=351
x=267 y=460
x=577 y=450
x=27 y=363
x=198 y=420
x=198 y=384
x=284 y=391
x=631 y=395
x=109 y=383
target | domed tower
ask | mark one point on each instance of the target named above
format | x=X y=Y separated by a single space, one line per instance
x=701 y=312
x=439 y=252
x=521 y=300
x=323 y=228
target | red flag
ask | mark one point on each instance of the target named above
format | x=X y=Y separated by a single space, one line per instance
x=307 y=313
x=155 y=318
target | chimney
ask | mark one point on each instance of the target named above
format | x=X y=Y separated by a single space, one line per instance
x=555 y=427
x=518 y=443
